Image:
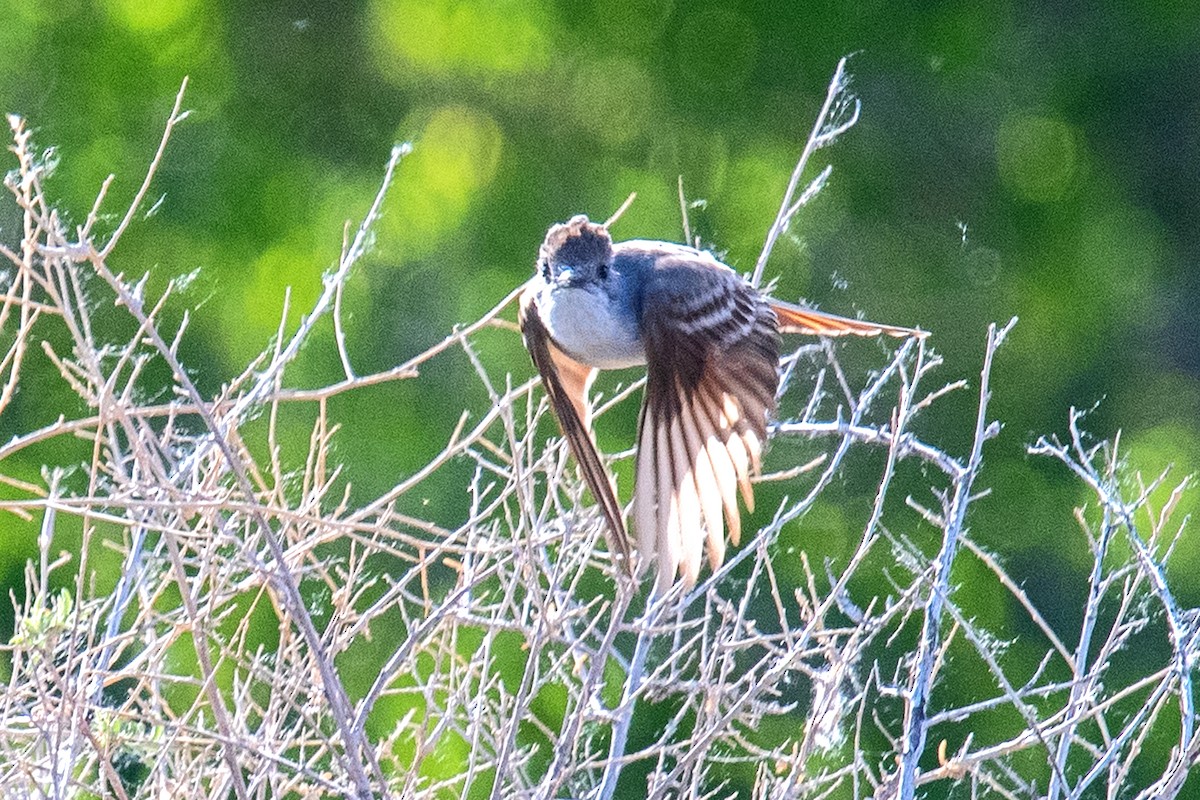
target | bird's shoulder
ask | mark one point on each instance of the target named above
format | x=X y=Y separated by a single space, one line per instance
x=651 y=254
x=670 y=271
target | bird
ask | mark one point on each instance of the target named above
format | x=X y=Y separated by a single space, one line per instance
x=710 y=343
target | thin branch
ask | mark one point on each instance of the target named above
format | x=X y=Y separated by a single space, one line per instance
x=916 y=707
x=822 y=134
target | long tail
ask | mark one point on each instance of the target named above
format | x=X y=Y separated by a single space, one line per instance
x=794 y=319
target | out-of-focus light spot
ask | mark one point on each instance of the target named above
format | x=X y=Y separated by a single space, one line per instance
x=655 y=212
x=1120 y=249
x=745 y=210
x=159 y=15
x=716 y=48
x=318 y=203
x=1174 y=445
x=1102 y=277
x=631 y=23
x=21 y=22
x=99 y=157
x=1037 y=156
x=983 y=266
x=475 y=37
x=1158 y=398
x=286 y=263
x=612 y=98
x=455 y=156
x=699 y=155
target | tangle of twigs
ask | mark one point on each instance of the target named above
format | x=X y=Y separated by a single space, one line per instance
x=199 y=637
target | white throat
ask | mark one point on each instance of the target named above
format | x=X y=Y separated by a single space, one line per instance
x=583 y=322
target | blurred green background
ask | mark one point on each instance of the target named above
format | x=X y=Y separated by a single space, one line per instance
x=1039 y=160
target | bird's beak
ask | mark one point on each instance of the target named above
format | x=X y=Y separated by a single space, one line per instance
x=563 y=275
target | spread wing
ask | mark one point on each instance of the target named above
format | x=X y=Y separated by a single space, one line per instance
x=567 y=384
x=712 y=355
x=794 y=319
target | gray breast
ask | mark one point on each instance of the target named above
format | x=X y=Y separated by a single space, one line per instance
x=584 y=322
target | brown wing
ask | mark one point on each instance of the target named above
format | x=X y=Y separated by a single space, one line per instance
x=567 y=383
x=712 y=370
x=794 y=319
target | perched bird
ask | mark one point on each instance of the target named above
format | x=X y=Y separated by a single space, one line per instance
x=710 y=342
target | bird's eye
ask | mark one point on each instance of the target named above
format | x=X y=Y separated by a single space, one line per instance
x=544 y=266
x=602 y=270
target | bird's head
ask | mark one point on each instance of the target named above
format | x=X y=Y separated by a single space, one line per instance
x=576 y=253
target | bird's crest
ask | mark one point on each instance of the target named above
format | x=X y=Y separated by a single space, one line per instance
x=577 y=241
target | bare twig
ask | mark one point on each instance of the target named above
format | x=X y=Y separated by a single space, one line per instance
x=825 y=130
x=916 y=707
